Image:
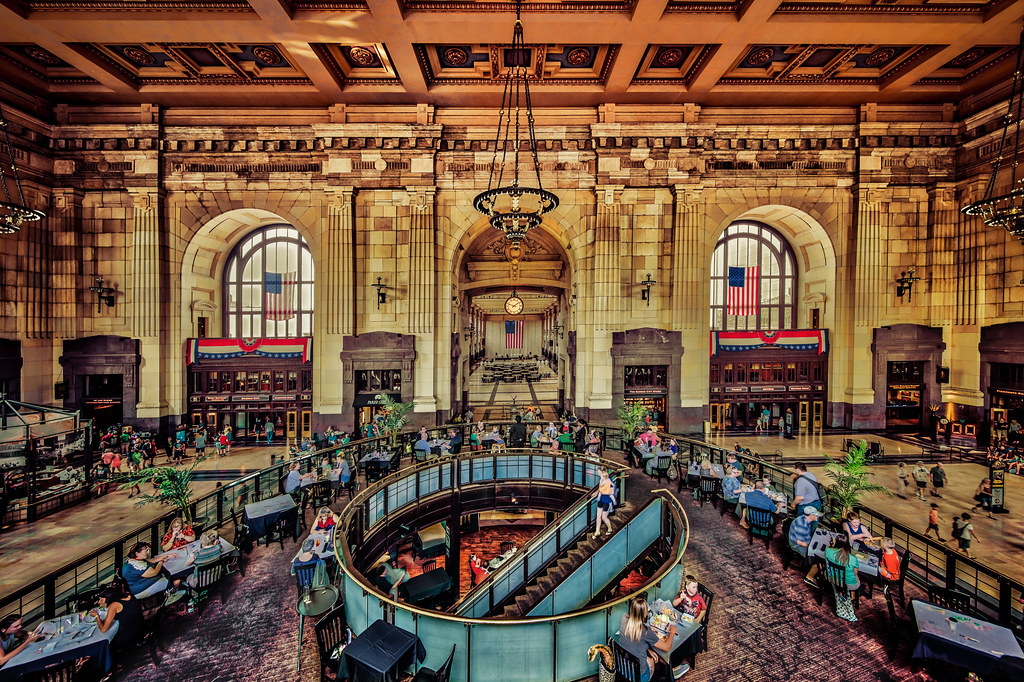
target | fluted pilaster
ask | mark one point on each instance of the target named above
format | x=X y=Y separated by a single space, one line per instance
x=146 y=263
x=339 y=263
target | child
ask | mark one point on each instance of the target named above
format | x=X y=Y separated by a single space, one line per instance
x=964 y=533
x=889 y=563
x=933 y=523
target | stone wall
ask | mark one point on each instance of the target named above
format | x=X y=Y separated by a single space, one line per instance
x=156 y=209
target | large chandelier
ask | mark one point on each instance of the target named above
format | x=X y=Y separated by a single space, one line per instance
x=1007 y=210
x=13 y=209
x=512 y=207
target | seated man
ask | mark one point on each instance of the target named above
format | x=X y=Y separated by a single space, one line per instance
x=143 y=577
x=454 y=444
x=757 y=499
x=393 y=576
x=209 y=551
x=422 y=446
x=800 y=533
x=294 y=480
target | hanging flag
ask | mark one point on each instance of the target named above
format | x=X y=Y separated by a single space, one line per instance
x=744 y=291
x=279 y=289
x=513 y=333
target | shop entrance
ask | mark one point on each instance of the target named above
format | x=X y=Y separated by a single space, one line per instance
x=103 y=399
x=904 y=389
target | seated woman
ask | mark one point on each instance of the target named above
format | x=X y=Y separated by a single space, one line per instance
x=178 y=535
x=325 y=521
x=637 y=638
x=209 y=551
x=123 y=609
x=13 y=638
x=857 y=534
x=393 y=576
x=731 y=485
x=842 y=555
x=476 y=565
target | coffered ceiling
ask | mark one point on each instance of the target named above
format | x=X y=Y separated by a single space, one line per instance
x=286 y=53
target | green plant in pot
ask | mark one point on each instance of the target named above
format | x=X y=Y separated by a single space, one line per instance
x=394 y=415
x=632 y=419
x=173 y=488
x=851 y=477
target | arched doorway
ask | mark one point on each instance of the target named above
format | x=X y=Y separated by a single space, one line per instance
x=514 y=348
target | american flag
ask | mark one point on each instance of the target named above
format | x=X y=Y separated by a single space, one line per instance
x=513 y=333
x=279 y=289
x=744 y=291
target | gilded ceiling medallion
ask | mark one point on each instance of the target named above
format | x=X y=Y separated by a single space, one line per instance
x=880 y=57
x=266 y=55
x=139 y=56
x=362 y=56
x=759 y=57
x=456 y=56
x=578 y=56
x=972 y=55
x=42 y=56
x=669 y=57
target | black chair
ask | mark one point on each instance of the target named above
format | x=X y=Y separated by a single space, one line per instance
x=256 y=495
x=320 y=495
x=331 y=637
x=699 y=639
x=207 y=578
x=276 y=532
x=710 y=488
x=68 y=671
x=148 y=638
x=661 y=466
x=954 y=600
x=835 y=575
x=506 y=546
x=440 y=675
x=628 y=668
x=890 y=586
x=304 y=575
x=761 y=522
x=788 y=555
x=429 y=565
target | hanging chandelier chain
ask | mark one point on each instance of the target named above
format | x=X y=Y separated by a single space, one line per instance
x=13 y=210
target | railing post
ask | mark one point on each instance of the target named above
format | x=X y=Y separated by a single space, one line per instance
x=1005 y=605
x=49 y=599
x=950 y=569
x=220 y=507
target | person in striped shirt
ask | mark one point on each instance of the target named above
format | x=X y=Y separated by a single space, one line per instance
x=208 y=552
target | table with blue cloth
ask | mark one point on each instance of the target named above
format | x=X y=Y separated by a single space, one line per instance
x=380 y=653
x=951 y=637
x=78 y=640
x=260 y=516
x=426 y=585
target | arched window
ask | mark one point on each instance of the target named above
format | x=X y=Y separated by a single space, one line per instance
x=753 y=280
x=268 y=285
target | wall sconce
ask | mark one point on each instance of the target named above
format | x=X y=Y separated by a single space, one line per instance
x=103 y=295
x=382 y=296
x=645 y=293
x=467 y=333
x=559 y=331
x=905 y=284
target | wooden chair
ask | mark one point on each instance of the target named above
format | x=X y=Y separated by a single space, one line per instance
x=835 y=574
x=68 y=671
x=661 y=466
x=506 y=546
x=440 y=675
x=700 y=638
x=761 y=522
x=710 y=488
x=954 y=600
x=429 y=565
x=628 y=668
x=320 y=495
x=331 y=637
x=208 y=578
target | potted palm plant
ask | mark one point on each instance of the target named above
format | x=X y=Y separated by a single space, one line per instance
x=394 y=415
x=851 y=477
x=173 y=487
x=632 y=419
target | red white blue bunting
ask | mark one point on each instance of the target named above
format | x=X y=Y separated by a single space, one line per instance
x=792 y=339
x=226 y=349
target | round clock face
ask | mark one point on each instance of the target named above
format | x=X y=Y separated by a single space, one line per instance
x=514 y=305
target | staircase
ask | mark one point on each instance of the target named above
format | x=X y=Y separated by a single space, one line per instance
x=534 y=591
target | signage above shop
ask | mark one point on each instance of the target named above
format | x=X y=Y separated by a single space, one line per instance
x=790 y=339
x=735 y=389
x=254 y=398
x=769 y=389
x=646 y=391
x=197 y=350
x=371 y=400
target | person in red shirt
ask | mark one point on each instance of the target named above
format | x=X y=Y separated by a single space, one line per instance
x=889 y=562
x=689 y=600
x=178 y=535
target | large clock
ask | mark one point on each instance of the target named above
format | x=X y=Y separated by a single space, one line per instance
x=514 y=304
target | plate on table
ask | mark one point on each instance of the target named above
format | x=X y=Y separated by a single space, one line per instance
x=88 y=618
x=687 y=618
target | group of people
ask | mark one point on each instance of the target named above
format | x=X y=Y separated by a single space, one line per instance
x=573 y=435
x=1011 y=456
x=921 y=476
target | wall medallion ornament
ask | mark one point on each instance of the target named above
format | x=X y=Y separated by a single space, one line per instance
x=266 y=55
x=362 y=56
x=456 y=56
x=139 y=56
x=578 y=56
x=759 y=57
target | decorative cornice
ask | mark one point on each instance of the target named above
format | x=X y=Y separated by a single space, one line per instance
x=234 y=6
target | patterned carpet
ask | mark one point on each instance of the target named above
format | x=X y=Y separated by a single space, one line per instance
x=764 y=623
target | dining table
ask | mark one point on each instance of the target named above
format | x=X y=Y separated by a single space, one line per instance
x=323 y=547
x=686 y=627
x=779 y=498
x=313 y=602
x=381 y=460
x=260 y=516
x=965 y=641
x=67 y=638
x=823 y=539
x=427 y=585
x=381 y=652
x=694 y=470
x=177 y=566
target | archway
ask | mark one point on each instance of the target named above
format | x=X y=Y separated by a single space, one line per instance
x=773 y=372
x=514 y=350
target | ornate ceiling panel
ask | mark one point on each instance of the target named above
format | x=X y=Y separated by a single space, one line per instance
x=450 y=53
x=197 y=63
x=850 y=64
x=42 y=67
x=359 y=64
x=455 y=64
x=672 y=64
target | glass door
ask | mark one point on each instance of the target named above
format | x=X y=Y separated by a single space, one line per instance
x=307 y=423
x=291 y=430
x=804 y=410
x=817 y=414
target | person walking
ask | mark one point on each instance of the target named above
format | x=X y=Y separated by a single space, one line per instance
x=938 y=479
x=963 y=533
x=605 y=503
x=269 y=429
x=934 y=519
x=920 y=475
x=983 y=497
x=902 y=480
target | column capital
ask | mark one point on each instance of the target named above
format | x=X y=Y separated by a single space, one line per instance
x=608 y=195
x=145 y=198
x=687 y=194
x=421 y=199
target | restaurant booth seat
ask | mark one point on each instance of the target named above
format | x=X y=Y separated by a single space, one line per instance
x=331 y=637
x=440 y=675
